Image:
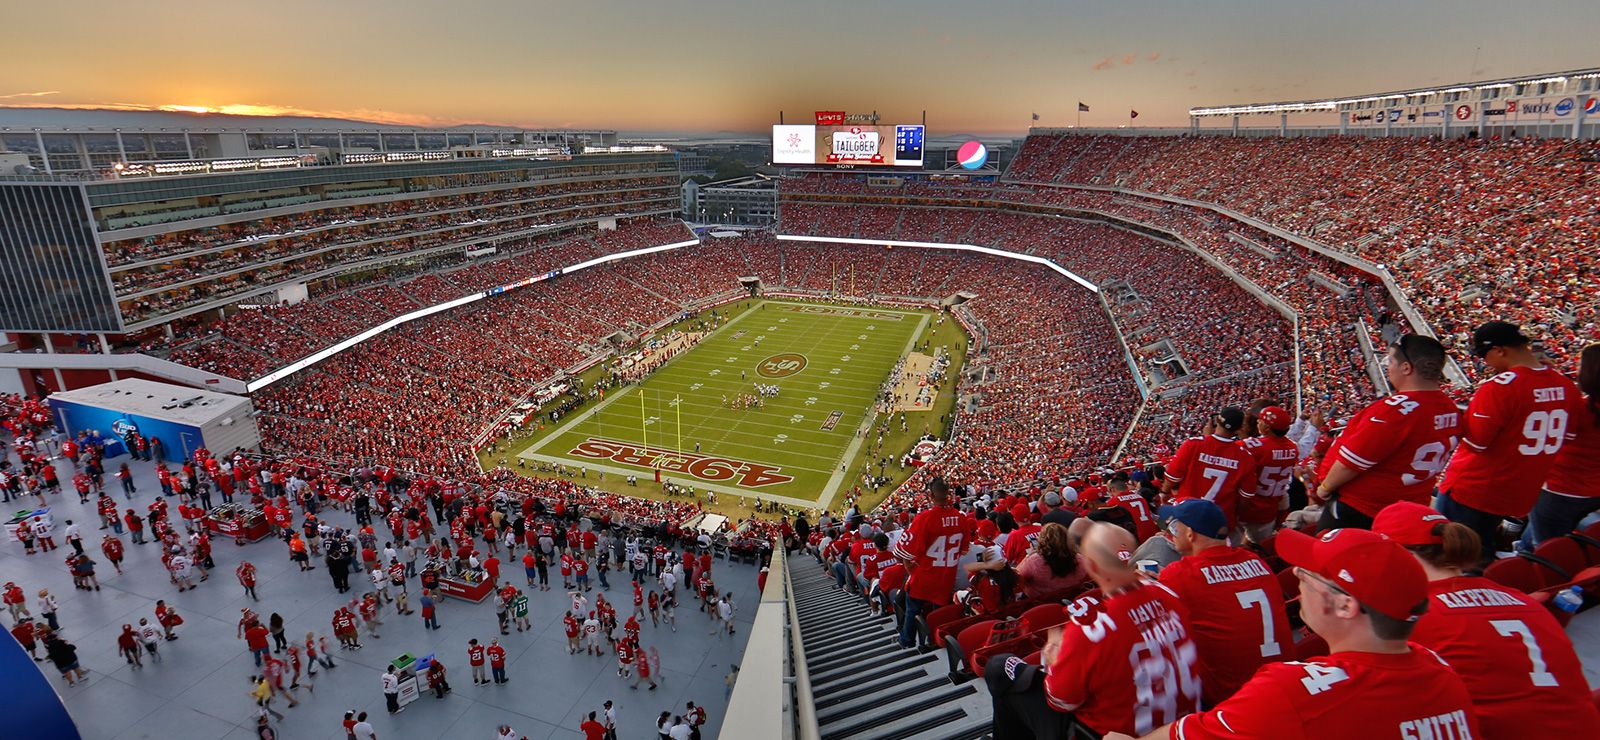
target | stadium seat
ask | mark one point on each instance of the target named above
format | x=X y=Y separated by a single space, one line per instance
x=1589 y=543
x=1518 y=573
x=959 y=649
x=1290 y=583
x=1566 y=553
x=931 y=622
x=1042 y=616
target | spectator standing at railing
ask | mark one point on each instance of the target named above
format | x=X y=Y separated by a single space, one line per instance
x=1516 y=423
x=1392 y=449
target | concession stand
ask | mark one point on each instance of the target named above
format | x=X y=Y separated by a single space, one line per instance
x=465 y=584
x=24 y=518
x=240 y=522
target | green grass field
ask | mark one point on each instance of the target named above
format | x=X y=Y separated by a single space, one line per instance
x=828 y=363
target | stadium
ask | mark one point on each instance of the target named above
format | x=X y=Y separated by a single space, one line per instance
x=915 y=422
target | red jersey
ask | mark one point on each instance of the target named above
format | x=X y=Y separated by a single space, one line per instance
x=1576 y=469
x=625 y=652
x=1019 y=541
x=580 y=568
x=1272 y=459
x=1399 y=444
x=1211 y=468
x=497 y=656
x=862 y=549
x=1126 y=664
x=475 y=655
x=344 y=621
x=1236 y=612
x=1340 y=696
x=571 y=624
x=1136 y=507
x=931 y=547
x=1517 y=420
x=1516 y=660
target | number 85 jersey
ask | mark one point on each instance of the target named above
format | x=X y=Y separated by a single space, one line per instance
x=1399 y=444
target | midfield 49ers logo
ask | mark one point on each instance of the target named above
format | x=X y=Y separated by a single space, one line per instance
x=704 y=467
x=781 y=366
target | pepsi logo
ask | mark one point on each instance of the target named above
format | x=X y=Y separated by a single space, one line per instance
x=973 y=155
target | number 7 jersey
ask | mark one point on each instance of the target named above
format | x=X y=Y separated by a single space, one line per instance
x=1399 y=444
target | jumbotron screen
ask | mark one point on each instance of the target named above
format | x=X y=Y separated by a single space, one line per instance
x=863 y=145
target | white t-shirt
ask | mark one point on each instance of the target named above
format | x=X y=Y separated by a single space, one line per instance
x=391 y=684
x=680 y=732
x=364 y=731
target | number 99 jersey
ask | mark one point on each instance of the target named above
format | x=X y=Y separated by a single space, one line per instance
x=1517 y=422
x=1399 y=444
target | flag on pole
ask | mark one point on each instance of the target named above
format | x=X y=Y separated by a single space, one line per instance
x=1036 y=116
x=1132 y=114
x=1082 y=108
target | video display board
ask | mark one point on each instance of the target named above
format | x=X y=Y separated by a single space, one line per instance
x=853 y=145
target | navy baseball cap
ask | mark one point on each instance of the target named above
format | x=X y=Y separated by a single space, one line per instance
x=1198 y=514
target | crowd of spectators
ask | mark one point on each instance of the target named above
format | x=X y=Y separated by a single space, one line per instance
x=1470 y=229
x=251 y=342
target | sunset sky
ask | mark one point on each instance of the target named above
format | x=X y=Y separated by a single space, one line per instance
x=714 y=65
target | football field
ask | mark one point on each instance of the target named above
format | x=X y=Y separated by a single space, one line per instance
x=827 y=363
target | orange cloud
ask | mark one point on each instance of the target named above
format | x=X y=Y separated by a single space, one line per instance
x=1129 y=58
x=30 y=94
x=1153 y=56
x=396 y=118
x=1104 y=64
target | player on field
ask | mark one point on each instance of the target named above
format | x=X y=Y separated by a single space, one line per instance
x=1233 y=598
x=1393 y=448
x=1513 y=428
x=930 y=549
x=1273 y=456
x=1517 y=662
x=1362 y=593
x=1124 y=661
x=1212 y=466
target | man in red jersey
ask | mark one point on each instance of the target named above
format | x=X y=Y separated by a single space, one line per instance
x=1393 y=448
x=930 y=549
x=1233 y=598
x=1272 y=458
x=1515 y=425
x=1125 y=661
x=1516 y=660
x=1212 y=466
x=1572 y=487
x=1117 y=494
x=1362 y=593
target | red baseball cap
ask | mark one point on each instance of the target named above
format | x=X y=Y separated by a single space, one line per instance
x=1409 y=523
x=1275 y=417
x=1374 y=569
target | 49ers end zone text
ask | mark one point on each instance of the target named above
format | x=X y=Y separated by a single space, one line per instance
x=703 y=467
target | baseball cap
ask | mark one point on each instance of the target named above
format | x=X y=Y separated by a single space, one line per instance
x=1198 y=514
x=1232 y=417
x=1409 y=523
x=1052 y=499
x=1496 y=334
x=1275 y=417
x=1372 y=568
